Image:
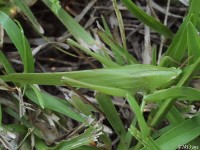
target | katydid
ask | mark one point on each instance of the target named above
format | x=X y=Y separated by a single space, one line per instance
x=118 y=81
x=134 y=78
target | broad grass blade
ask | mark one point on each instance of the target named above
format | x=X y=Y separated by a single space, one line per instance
x=189 y=129
x=19 y=40
x=182 y=93
x=111 y=114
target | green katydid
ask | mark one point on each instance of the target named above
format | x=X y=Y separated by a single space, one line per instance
x=137 y=77
x=118 y=81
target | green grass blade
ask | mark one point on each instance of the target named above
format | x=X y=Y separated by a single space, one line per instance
x=28 y=13
x=182 y=93
x=122 y=57
x=111 y=113
x=167 y=104
x=7 y=8
x=108 y=34
x=178 y=46
x=55 y=6
x=121 y=25
x=193 y=42
x=100 y=58
x=174 y=116
x=54 y=104
x=25 y=122
x=87 y=148
x=189 y=72
x=90 y=135
x=79 y=33
x=147 y=142
x=106 y=27
x=117 y=51
x=19 y=40
x=135 y=107
x=19 y=128
x=180 y=135
x=105 y=138
x=0 y=117
x=128 y=140
x=40 y=145
x=6 y=64
x=84 y=108
x=148 y=20
x=154 y=56
x=38 y=94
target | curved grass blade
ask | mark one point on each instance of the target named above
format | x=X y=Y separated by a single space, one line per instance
x=189 y=129
x=40 y=145
x=108 y=33
x=24 y=121
x=19 y=128
x=19 y=40
x=90 y=135
x=193 y=42
x=121 y=24
x=106 y=27
x=148 y=20
x=6 y=64
x=134 y=105
x=179 y=45
x=112 y=115
x=56 y=6
x=167 y=104
x=84 y=108
x=7 y=7
x=182 y=93
x=54 y=104
x=79 y=33
x=122 y=56
x=147 y=142
x=38 y=94
x=100 y=58
x=28 y=13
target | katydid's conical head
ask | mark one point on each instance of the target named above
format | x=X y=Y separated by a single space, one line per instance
x=162 y=78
